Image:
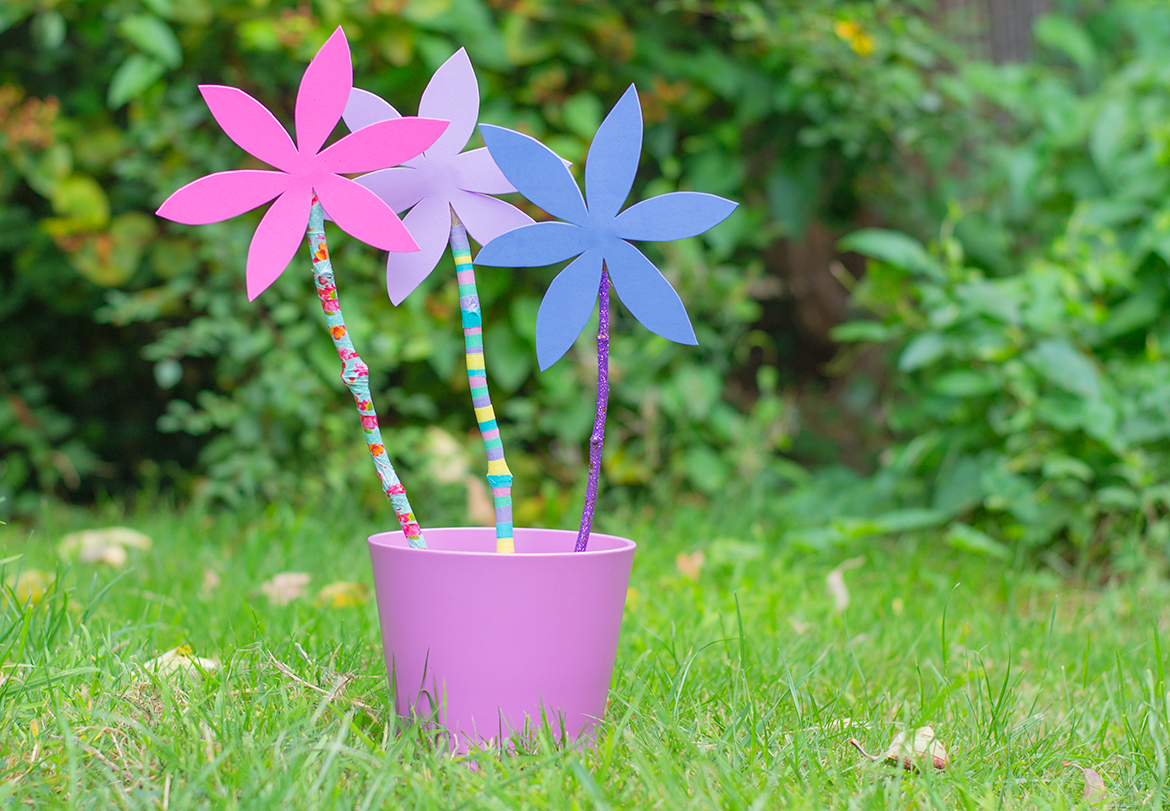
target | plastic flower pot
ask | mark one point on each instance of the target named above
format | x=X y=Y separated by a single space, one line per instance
x=489 y=647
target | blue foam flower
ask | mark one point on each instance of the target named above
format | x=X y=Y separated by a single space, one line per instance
x=596 y=232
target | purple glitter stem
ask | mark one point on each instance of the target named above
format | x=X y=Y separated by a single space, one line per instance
x=597 y=439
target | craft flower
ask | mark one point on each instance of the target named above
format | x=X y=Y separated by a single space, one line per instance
x=304 y=169
x=441 y=179
x=596 y=233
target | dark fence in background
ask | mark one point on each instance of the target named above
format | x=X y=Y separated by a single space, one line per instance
x=999 y=30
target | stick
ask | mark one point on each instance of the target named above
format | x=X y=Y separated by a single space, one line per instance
x=498 y=475
x=597 y=440
x=356 y=376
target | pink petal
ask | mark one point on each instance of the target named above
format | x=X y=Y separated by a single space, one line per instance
x=223 y=195
x=378 y=146
x=277 y=238
x=362 y=214
x=486 y=217
x=478 y=172
x=430 y=224
x=452 y=94
x=323 y=93
x=365 y=108
x=250 y=124
x=400 y=187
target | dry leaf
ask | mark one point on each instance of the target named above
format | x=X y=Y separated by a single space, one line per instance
x=1094 y=786
x=283 y=588
x=689 y=565
x=481 y=508
x=343 y=594
x=909 y=748
x=210 y=582
x=30 y=585
x=835 y=583
x=106 y=545
x=181 y=660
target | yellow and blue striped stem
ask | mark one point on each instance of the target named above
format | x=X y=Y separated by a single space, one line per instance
x=499 y=476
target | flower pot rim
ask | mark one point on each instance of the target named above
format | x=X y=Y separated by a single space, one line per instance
x=387 y=540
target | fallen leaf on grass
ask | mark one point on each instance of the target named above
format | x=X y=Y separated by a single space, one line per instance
x=30 y=585
x=181 y=660
x=343 y=594
x=835 y=583
x=283 y=588
x=1094 y=786
x=210 y=582
x=106 y=545
x=689 y=565
x=909 y=748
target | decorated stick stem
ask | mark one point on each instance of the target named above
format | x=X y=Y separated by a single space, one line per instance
x=499 y=476
x=597 y=439
x=356 y=376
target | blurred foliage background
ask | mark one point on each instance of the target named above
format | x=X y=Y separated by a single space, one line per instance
x=980 y=358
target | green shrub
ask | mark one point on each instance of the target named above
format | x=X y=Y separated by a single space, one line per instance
x=129 y=326
x=1036 y=407
x=1030 y=403
x=1083 y=128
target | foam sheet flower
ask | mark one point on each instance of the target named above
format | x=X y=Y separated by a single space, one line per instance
x=302 y=169
x=596 y=232
x=440 y=179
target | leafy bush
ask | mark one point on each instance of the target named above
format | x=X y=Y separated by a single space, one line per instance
x=123 y=323
x=1083 y=129
x=1038 y=405
x=1030 y=404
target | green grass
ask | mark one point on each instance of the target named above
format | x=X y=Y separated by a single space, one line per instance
x=731 y=692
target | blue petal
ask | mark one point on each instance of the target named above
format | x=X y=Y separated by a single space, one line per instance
x=646 y=293
x=529 y=246
x=613 y=157
x=566 y=308
x=536 y=172
x=676 y=215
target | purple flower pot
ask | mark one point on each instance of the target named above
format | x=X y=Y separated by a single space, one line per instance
x=490 y=646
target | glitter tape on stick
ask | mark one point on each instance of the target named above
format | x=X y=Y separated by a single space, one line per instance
x=597 y=439
x=499 y=476
x=356 y=376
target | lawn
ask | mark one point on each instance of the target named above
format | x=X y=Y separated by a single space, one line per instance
x=741 y=677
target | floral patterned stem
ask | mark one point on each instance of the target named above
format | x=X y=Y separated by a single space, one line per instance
x=597 y=440
x=498 y=475
x=356 y=376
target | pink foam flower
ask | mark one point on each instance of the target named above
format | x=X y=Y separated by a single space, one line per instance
x=303 y=169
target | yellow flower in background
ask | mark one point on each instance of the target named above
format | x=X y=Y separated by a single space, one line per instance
x=857 y=37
